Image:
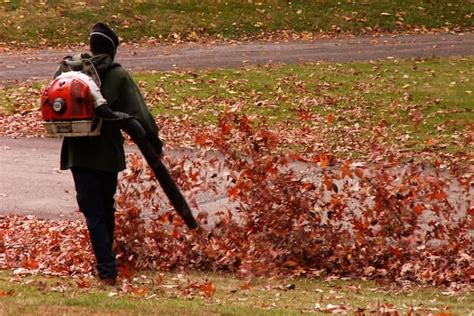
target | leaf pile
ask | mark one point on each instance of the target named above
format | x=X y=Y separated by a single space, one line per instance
x=331 y=217
x=21 y=125
x=377 y=221
x=58 y=247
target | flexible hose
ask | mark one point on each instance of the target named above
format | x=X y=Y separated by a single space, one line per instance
x=137 y=133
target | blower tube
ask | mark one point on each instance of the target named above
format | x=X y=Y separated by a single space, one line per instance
x=137 y=133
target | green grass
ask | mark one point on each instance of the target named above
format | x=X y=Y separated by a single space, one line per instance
x=425 y=105
x=39 y=295
x=68 y=22
x=437 y=91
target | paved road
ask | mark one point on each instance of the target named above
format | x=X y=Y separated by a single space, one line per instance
x=42 y=63
x=30 y=182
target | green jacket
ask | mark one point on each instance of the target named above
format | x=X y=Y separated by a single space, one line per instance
x=105 y=152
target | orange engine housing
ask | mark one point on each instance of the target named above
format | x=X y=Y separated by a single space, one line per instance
x=67 y=99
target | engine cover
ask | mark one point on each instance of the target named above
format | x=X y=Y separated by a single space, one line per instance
x=67 y=107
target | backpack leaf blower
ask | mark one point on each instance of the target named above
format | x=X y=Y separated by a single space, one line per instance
x=72 y=106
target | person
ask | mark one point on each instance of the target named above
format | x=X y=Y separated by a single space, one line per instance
x=95 y=161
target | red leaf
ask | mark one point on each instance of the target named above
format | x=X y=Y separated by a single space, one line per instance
x=233 y=193
x=470 y=211
x=126 y=271
x=395 y=251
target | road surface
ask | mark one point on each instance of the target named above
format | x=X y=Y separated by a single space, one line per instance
x=41 y=64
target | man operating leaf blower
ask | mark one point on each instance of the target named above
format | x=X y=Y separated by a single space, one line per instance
x=90 y=100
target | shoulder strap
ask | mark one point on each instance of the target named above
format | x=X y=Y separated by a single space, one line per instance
x=89 y=69
x=82 y=63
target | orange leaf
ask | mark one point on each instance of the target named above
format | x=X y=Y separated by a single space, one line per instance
x=418 y=209
x=201 y=139
x=209 y=289
x=330 y=118
x=30 y=264
x=346 y=171
x=6 y=293
x=439 y=196
x=327 y=182
x=246 y=285
x=139 y=291
x=324 y=161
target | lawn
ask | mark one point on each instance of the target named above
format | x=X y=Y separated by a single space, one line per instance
x=416 y=106
x=49 y=23
x=422 y=104
x=219 y=294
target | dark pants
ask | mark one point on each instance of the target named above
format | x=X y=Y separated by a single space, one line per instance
x=95 y=196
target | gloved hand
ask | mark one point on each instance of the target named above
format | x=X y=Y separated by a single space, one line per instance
x=157 y=144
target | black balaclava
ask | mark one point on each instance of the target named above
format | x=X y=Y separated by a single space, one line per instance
x=103 y=40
